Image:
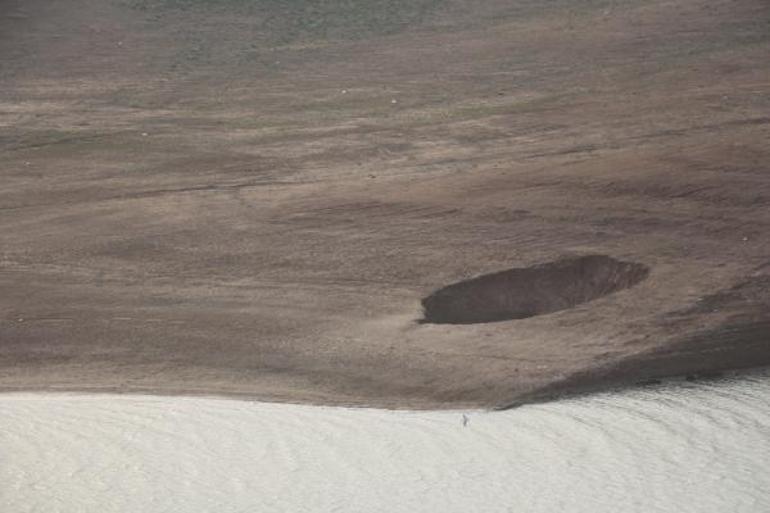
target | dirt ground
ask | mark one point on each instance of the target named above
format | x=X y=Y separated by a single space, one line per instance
x=238 y=198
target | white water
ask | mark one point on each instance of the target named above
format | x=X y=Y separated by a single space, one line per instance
x=691 y=448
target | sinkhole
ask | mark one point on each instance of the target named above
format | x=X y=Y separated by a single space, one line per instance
x=529 y=291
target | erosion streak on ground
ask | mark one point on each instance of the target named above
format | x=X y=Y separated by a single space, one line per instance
x=198 y=200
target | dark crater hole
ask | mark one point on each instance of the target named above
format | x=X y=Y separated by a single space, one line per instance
x=529 y=291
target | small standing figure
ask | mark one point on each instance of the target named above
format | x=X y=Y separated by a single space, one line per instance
x=465 y=420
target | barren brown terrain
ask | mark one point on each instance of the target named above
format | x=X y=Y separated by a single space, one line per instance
x=428 y=204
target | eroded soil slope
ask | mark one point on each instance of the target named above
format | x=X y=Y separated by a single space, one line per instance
x=255 y=197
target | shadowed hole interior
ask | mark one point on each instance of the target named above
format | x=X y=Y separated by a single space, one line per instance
x=529 y=291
